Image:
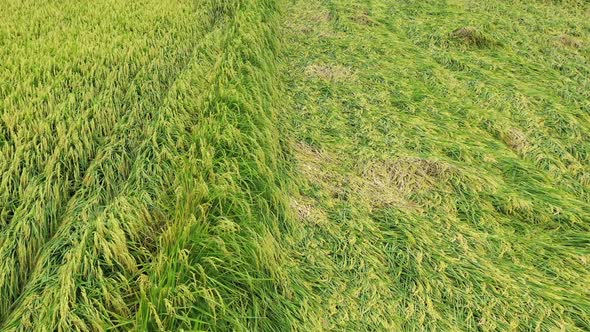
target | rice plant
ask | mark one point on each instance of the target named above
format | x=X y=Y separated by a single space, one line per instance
x=270 y=165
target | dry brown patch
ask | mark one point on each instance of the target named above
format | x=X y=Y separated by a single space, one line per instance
x=378 y=183
x=392 y=182
x=517 y=140
x=321 y=16
x=379 y=194
x=568 y=41
x=312 y=160
x=315 y=20
x=329 y=72
x=583 y=177
x=407 y=174
x=364 y=19
x=317 y=166
x=308 y=211
x=471 y=36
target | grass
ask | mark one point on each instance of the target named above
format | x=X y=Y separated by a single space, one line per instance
x=266 y=165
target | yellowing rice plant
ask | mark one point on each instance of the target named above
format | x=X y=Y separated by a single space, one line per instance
x=273 y=165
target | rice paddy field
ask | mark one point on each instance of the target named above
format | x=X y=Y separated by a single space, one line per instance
x=295 y=165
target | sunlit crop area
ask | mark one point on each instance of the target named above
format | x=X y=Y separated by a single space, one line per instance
x=274 y=165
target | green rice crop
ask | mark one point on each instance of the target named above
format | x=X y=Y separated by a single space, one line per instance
x=443 y=148
x=270 y=165
x=140 y=181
